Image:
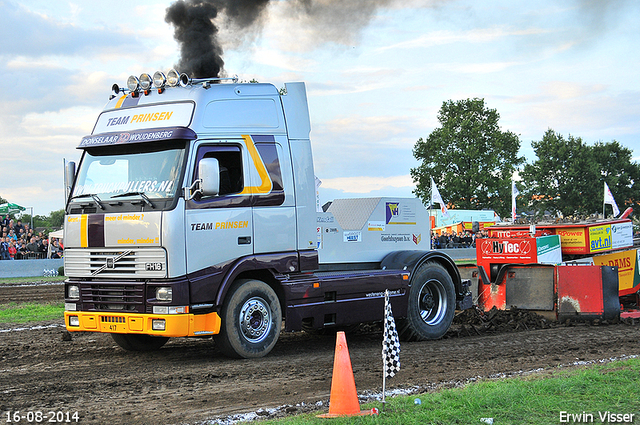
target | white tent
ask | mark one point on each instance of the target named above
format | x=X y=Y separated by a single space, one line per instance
x=59 y=235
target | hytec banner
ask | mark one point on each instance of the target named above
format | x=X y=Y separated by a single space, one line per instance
x=545 y=250
x=520 y=250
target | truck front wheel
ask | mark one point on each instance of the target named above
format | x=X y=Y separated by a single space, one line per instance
x=432 y=302
x=251 y=320
x=135 y=342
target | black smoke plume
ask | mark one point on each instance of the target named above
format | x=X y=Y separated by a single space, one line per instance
x=200 y=49
x=197 y=23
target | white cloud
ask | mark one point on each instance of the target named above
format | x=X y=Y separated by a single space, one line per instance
x=73 y=122
x=282 y=60
x=475 y=36
x=367 y=184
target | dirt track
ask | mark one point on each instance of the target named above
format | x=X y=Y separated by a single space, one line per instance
x=188 y=380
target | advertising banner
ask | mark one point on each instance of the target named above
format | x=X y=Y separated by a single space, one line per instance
x=507 y=250
x=548 y=248
x=621 y=235
x=573 y=239
x=627 y=264
x=600 y=238
x=400 y=213
x=144 y=117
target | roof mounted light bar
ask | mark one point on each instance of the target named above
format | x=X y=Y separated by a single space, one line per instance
x=206 y=82
x=160 y=81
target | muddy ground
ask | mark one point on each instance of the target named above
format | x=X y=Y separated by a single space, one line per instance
x=189 y=381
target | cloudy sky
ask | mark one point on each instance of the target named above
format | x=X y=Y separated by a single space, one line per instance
x=377 y=72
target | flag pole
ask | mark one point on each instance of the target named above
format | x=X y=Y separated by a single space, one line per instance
x=390 y=346
x=384 y=385
x=604 y=201
x=384 y=362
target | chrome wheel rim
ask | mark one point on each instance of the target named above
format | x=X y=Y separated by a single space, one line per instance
x=255 y=319
x=432 y=302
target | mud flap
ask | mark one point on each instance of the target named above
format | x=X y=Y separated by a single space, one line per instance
x=610 y=293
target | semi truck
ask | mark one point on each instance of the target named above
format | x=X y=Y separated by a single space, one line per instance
x=192 y=213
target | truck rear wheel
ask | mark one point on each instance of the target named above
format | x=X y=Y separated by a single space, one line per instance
x=251 y=320
x=135 y=342
x=432 y=302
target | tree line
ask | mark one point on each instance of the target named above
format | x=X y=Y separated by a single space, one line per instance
x=473 y=161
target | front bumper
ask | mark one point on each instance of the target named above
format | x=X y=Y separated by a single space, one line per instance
x=175 y=325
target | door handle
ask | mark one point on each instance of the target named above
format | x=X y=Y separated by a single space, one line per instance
x=244 y=240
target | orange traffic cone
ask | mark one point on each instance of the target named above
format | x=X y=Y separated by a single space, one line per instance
x=344 y=398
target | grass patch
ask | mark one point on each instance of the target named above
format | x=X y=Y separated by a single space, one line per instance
x=536 y=399
x=30 y=312
x=32 y=279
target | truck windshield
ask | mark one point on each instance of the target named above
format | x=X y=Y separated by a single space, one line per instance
x=107 y=172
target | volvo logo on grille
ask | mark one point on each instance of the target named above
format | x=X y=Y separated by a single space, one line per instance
x=110 y=262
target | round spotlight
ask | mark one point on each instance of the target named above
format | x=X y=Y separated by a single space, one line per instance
x=159 y=80
x=173 y=78
x=184 y=80
x=133 y=83
x=145 y=81
x=115 y=90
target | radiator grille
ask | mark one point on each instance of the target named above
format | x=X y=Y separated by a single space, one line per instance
x=112 y=296
x=143 y=263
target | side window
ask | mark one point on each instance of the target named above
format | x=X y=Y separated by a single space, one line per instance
x=230 y=160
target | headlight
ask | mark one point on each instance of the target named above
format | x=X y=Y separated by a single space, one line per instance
x=145 y=81
x=133 y=83
x=166 y=309
x=74 y=292
x=158 y=324
x=159 y=79
x=173 y=78
x=74 y=321
x=164 y=293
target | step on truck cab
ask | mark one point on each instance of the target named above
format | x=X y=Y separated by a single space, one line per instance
x=192 y=212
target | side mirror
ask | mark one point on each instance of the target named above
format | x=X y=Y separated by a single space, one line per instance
x=209 y=172
x=69 y=176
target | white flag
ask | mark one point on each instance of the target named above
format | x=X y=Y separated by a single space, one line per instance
x=514 y=192
x=608 y=199
x=390 y=341
x=435 y=197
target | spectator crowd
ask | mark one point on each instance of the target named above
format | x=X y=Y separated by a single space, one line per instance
x=19 y=242
x=455 y=240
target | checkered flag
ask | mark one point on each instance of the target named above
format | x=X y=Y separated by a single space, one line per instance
x=390 y=342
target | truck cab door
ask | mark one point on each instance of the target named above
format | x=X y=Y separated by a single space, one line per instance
x=272 y=201
x=219 y=228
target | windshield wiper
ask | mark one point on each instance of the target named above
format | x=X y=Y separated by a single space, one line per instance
x=92 y=195
x=143 y=195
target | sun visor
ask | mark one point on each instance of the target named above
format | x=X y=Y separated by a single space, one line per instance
x=137 y=136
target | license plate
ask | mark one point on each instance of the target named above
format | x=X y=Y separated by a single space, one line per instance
x=113 y=323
